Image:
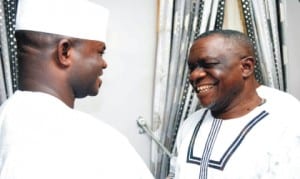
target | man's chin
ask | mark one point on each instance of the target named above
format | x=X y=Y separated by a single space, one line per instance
x=94 y=93
x=91 y=93
x=210 y=105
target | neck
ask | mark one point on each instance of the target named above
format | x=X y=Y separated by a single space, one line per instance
x=239 y=108
x=66 y=97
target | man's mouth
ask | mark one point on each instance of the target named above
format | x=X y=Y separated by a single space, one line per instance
x=204 y=88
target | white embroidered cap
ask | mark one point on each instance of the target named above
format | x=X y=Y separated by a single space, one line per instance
x=74 y=18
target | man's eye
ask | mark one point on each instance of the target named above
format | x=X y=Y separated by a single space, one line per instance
x=203 y=64
x=210 y=64
x=192 y=67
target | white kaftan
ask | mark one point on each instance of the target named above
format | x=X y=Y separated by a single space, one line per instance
x=263 y=144
x=42 y=138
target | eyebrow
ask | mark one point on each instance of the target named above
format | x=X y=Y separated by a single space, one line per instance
x=207 y=57
x=101 y=47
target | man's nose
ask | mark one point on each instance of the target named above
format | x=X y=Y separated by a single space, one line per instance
x=198 y=72
x=104 y=65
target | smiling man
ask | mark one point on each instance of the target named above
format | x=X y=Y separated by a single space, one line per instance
x=238 y=132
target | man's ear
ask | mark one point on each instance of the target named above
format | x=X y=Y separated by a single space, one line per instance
x=248 y=65
x=64 y=52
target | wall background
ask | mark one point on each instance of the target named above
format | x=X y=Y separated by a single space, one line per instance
x=292 y=30
x=126 y=91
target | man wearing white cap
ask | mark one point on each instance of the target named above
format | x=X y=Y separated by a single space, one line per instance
x=60 y=47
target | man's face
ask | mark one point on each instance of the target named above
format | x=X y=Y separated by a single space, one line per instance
x=215 y=72
x=87 y=67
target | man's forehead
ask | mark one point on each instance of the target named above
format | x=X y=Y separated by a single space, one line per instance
x=210 y=43
x=211 y=47
x=95 y=44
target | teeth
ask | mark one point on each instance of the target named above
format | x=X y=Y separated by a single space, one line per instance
x=204 y=88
